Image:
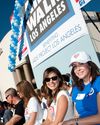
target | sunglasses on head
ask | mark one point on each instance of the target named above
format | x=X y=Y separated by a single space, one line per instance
x=54 y=78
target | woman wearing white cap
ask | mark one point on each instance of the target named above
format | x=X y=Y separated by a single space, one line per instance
x=86 y=90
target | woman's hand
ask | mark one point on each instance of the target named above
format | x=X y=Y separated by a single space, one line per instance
x=61 y=123
x=69 y=122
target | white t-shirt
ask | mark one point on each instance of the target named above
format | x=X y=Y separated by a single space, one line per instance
x=34 y=106
x=70 y=111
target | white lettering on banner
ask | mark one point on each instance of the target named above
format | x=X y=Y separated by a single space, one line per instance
x=44 y=14
x=61 y=24
x=54 y=41
x=51 y=17
x=34 y=34
x=38 y=14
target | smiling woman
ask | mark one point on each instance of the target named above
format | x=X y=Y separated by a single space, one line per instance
x=86 y=90
x=60 y=107
x=6 y=8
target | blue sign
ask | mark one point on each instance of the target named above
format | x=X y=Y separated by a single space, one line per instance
x=45 y=19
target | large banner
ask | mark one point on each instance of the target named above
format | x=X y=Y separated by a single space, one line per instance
x=52 y=25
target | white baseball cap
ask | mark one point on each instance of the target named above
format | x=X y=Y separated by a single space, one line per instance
x=81 y=57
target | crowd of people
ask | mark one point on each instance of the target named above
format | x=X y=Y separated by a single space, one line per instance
x=5 y=111
x=63 y=99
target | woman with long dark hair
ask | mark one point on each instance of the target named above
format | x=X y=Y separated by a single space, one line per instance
x=60 y=106
x=86 y=90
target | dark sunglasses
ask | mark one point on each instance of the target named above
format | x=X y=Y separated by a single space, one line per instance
x=54 y=78
x=7 y=96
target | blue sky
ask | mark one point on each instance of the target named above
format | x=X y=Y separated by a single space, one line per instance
x=6 y=8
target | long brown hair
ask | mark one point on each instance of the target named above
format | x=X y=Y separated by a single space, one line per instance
x=94 y=70
x=49 y=93
x=27 y=90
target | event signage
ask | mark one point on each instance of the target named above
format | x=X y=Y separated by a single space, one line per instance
x=52 y=25
x=44 y=16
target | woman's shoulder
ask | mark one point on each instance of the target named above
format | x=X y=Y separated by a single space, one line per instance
x=96 y=83
x=33 y=98
x=62 y=92
x=33 y=102
x=98 y=78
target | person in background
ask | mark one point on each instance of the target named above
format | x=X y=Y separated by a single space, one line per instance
x=13 y=99
x=33 y=111
x=7 y=113
x=61 y=107
x=86 y=91
x=2 y=110
x=38 y=93
x=34 y=84
x=67 y=85
x=44 y=101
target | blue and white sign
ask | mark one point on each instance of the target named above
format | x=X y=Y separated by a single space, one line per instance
x=52 y=25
